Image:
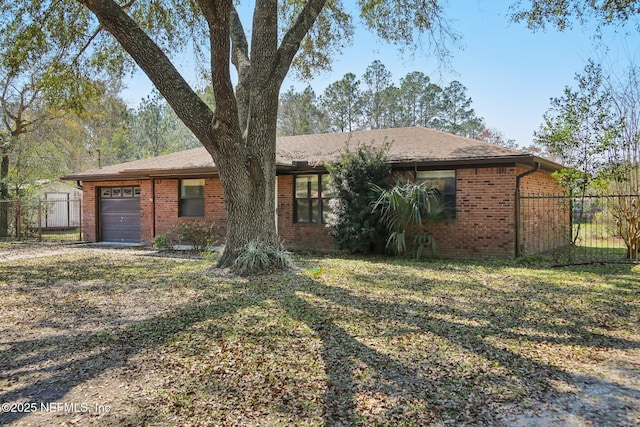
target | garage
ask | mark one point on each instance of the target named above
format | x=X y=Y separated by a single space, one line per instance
x=120 y=214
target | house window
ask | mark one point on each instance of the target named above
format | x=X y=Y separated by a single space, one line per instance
x=445 y=182
x=191 y=202
x=312 y=198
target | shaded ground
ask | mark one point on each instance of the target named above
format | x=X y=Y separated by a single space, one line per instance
x=118 y=337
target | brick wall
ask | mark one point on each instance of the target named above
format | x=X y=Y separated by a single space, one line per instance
x=167 y=199
x=544 y=214
x=484 y=226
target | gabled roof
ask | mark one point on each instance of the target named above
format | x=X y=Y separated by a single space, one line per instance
x=411 y=146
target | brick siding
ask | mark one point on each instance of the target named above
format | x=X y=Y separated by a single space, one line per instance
x=311 y=237
x=484 y=226
x=167 y=199
x=545 y=220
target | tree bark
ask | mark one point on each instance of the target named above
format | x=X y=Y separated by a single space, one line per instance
x=248 y=181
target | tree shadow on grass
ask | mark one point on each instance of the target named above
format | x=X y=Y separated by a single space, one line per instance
x=112 y=348
x=54 y=365
x=386 y=360
x=482 y=332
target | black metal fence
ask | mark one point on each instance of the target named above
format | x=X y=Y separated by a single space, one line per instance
x=41 y=219
x=579 y=229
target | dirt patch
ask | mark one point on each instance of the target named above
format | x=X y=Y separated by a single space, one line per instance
x=610 y=401
x=24 y=251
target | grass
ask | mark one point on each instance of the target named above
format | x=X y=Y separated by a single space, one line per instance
x=340 y=341
x=70 y=234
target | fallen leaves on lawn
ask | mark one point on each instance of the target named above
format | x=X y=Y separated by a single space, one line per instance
x=347 y=341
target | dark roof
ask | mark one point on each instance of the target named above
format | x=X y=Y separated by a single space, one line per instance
x=408 y=146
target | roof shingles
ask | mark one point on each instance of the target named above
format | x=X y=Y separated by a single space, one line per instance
x=411 y=144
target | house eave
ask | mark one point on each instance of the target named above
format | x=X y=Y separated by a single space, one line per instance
x=525 y=159
x=302 y=167
x=129 y=174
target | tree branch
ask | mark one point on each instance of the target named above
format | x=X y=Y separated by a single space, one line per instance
x=194 y=112
x=292 y=39
x=126 y=6
x=217 y=13
x=264 y=43
x=240 y=59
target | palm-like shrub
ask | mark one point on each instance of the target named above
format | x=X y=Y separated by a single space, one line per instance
x=403 y=208
x=257 y=257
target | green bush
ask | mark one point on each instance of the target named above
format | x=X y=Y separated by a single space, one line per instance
x=163 y=241
x=354 y=226
x=403 y=209
x=199 y=234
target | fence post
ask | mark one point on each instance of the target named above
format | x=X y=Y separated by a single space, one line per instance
x=518 y=221
x=80 y=219
x=18 y=219
x=39 y=219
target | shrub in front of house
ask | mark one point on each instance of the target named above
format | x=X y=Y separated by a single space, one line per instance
x=403 y=209
x=354 y=225
x=198 y=234
x=163 y=241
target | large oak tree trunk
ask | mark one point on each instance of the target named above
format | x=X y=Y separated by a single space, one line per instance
x=249 y=194
x=244 y=131
x=249 y=181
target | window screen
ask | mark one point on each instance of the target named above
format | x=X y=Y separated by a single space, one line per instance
x=445 y=182
x=191 y=198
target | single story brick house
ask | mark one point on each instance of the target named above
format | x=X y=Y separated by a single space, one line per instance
x=135 y=201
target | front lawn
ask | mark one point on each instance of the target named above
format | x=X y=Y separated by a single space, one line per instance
x=140 y=339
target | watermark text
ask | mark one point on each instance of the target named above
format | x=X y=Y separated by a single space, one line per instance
x=55 y=407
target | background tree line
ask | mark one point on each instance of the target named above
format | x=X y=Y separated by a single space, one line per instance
x=44 y=142
x=375 y=102
x=594 y=130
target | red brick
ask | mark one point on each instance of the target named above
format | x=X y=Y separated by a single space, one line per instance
x=484 y=225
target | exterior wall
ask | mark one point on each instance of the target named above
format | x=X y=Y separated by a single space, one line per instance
x=484 y=226
x=166 y=206
x=167 y=200
x=312 y=237
x=91 y=208
x=545 y=215
x=539 y=182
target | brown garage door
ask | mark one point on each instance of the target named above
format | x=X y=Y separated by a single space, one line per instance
x=120 y=214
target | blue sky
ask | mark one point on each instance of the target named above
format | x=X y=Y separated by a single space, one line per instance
x=510 y=72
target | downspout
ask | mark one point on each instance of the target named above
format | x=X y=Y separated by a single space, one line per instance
x=518 y=251
x=153 y=209
x=80 y=207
